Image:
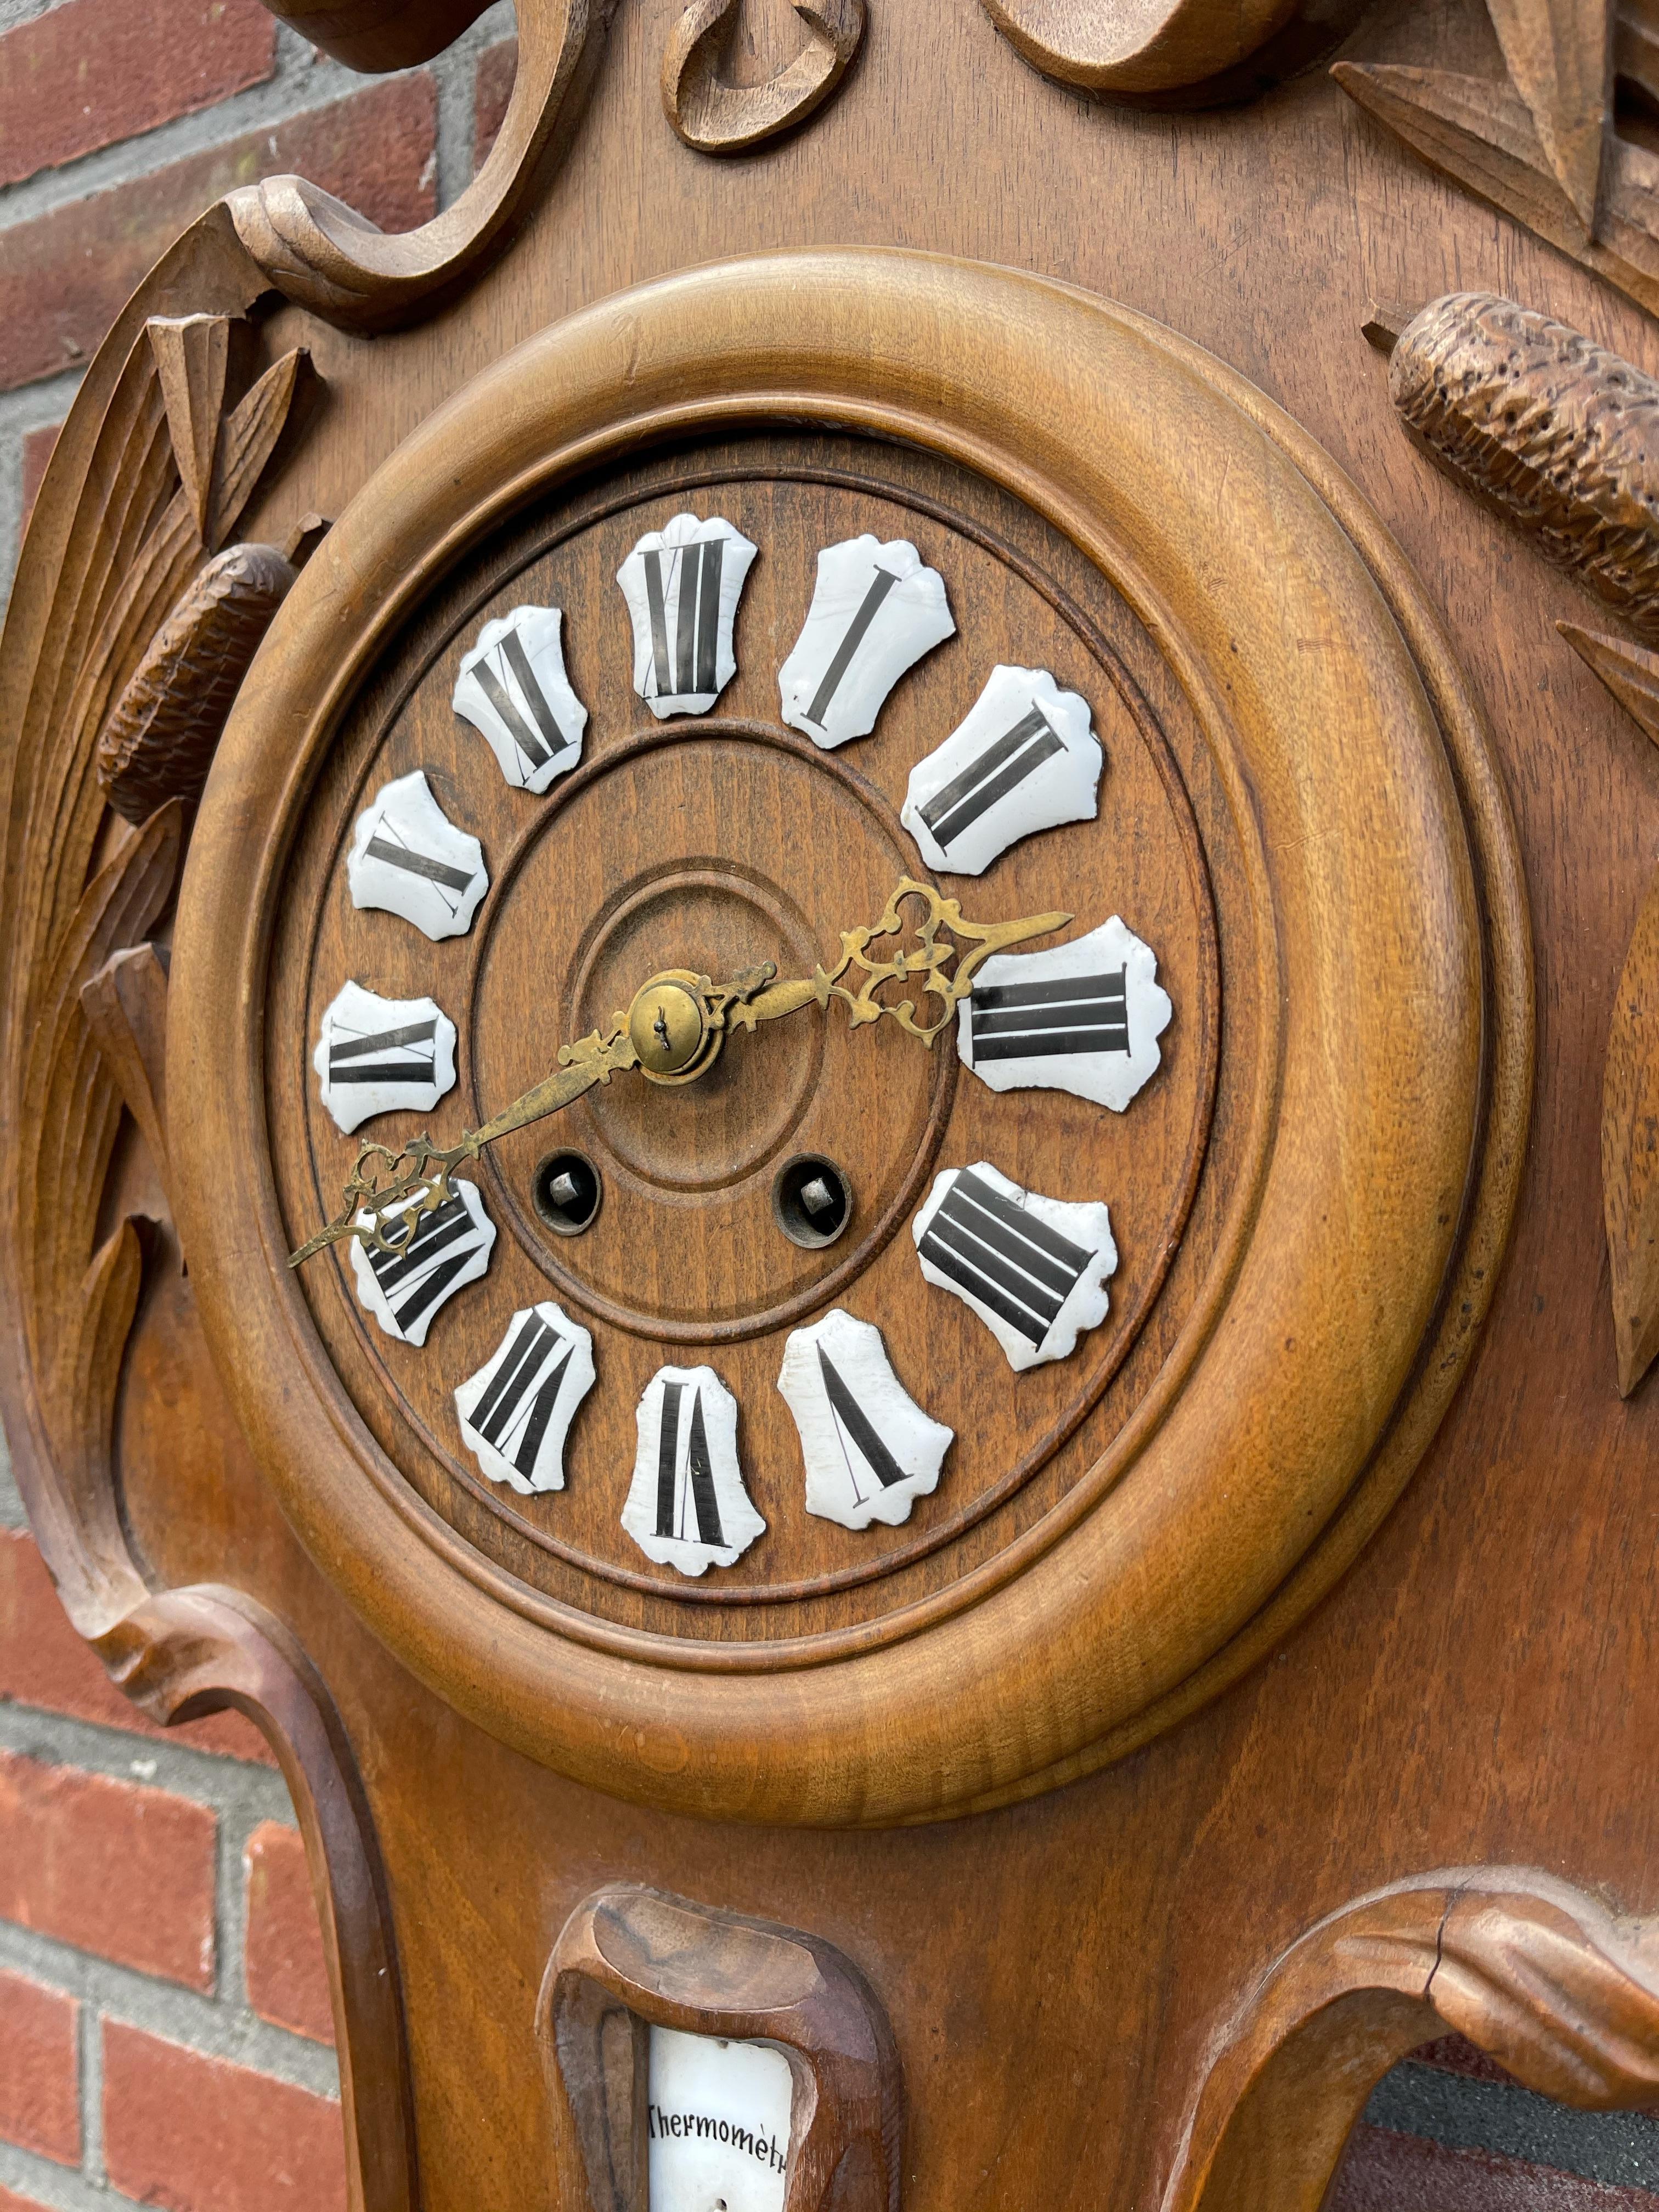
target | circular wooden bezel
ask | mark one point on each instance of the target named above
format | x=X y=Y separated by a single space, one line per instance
x=1392 y=963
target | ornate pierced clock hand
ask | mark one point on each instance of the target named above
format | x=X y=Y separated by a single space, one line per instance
x=673 y=1033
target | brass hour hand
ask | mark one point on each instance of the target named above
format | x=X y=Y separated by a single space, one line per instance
x=673 y=1032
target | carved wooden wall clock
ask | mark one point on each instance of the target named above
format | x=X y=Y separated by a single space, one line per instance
x=771 y=1080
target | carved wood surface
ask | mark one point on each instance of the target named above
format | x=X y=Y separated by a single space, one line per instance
x=1556 y=434
x=630 y=1957
x=1546 y=1980
x=720 y=117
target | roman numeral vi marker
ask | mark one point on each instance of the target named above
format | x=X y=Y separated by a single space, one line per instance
x=683 y=584
x=379 y=1055
x=409 y=857
x=687 y=1507
x=515 y=1413
x=1085 y=1017
x=513 y=689
x=876 y=610
x=1034 y=1269
x=1025 y=759
x=451 y=1248
x=869 y=1449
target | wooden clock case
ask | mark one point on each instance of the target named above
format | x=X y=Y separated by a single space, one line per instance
x=1158 y=1807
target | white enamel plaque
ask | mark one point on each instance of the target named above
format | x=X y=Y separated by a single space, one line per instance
x=687 y=1507
x=1085 y=1017
x=379 y=1055
x=513 y=689
x=1034 y=1269
x=408 y=857
x=515 y=1413
x=870 y=1450
x=451 y=1248
x=718 y=2119
x=683 y=584
x=1025 y=759
x=875 y=610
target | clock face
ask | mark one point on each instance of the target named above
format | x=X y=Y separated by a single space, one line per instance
x=787 y=1344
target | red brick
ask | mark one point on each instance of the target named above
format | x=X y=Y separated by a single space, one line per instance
x=197 y=2135
x=42 y=1661
x=1383 y=2172
x=287 y=1970
x=492 y=88
x=110 y=1867
x=10 y=2203
x=39 y=2070
x=96 y=71
x=64 y=277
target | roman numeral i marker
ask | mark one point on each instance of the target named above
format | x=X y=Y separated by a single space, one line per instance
x=868 y=1449
x=515 y=1413
x=513 y=687
x=1085 y=1017
x=379 y=1055
x=687 y=1507
x=683 y=584
x=876 y=610
x=1035 y=1269
x=1024 y=758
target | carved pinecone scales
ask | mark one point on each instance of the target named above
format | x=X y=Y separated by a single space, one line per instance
x=158 y=742
x=1560 y=437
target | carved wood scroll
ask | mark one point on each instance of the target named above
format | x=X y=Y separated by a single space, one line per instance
x=629 y=1959
x=718 y=118
x=1531 y=1971
x=1156 y=45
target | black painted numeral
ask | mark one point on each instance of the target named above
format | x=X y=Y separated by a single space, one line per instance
x=693 y=666
x=537 y=745
x=513 y=1414
x=997 y=1251
x=696 y=1490
x=880 y=585
x=394 y=848
x=1032 y=1021
x=421 y=1274
x=349 y=1061
x=854 y=1426
x=1001 y=768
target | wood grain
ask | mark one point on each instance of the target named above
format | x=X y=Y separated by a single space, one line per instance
x=718 y=117
x=630 y=1958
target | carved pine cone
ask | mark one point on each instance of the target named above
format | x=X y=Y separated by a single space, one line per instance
x=158 y=742
x=1557 y=435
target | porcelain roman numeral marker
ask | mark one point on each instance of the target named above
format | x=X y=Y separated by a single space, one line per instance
x=1085 y=1017
x=513 y=689
x=683 y=584
x=1034 y=1269
x=379 y=1055
x=687 y=1507
x=876 y=610
x=409 y=857
x=515 y=1413
x=451 y=1248
x=1025 y=759
x=870 y=1452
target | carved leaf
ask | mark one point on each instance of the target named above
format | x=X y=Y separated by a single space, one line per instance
x=1629 y=1150
x=1629 y=672
x=1481 y=135
x=192 y=358
x=1559 y=56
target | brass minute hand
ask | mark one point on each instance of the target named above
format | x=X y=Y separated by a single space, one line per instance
x=673 y=1032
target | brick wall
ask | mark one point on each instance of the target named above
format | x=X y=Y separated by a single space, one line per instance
x=164 y=2022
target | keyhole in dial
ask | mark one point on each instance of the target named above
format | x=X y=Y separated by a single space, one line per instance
x=811 y=1200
